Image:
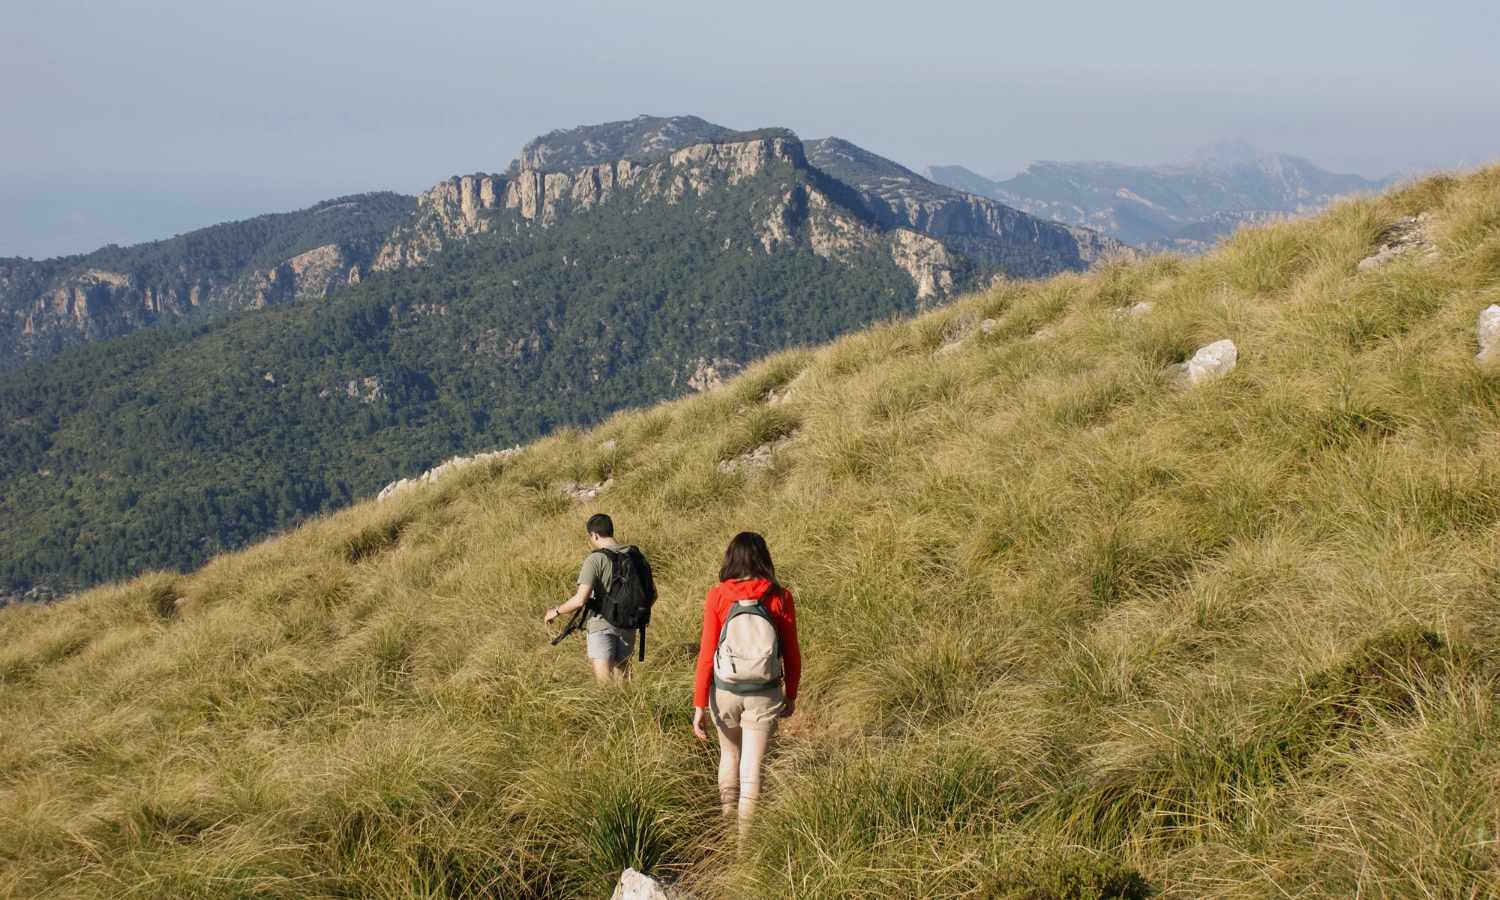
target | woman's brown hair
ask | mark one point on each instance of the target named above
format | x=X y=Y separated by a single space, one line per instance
x=747 y=557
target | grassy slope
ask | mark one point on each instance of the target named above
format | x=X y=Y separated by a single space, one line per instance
x=1119 y=625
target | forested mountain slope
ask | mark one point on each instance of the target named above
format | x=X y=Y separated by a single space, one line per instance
x=501 y=307
x=48 y=305
x=164 y=447
x=1072 y=625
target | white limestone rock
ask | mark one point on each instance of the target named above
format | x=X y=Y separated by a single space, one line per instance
x=635 y=886
x=1210 y=362
x=1411 y=235
x=755 y=460
x=1489 y=334
x=441 y=471
x=709 y=373
x=580 y=492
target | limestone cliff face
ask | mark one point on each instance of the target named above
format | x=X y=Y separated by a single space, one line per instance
x=926 y=260
x=48 y=305
x=93 y=303
x=800 y=213
x=976 y=217
x=451 y=210
x=461 y=207
x=542 y=197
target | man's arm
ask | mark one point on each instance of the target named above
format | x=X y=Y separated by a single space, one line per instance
x=578 y=599
x=585 y=590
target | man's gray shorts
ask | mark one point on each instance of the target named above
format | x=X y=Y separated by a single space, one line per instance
x=611 y=644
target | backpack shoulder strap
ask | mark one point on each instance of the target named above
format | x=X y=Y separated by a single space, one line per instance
x=596 y=589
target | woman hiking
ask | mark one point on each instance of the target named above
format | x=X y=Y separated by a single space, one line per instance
x=749 y=666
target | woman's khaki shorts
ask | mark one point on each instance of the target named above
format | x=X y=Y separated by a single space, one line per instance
x=758 y=711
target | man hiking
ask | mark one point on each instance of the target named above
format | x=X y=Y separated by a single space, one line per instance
x=614 y=597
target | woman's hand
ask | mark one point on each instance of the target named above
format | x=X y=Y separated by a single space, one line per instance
x=787 y=707
x=698 y=731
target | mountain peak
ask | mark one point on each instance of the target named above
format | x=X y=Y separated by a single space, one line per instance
x=868 y=171
x=642 y=139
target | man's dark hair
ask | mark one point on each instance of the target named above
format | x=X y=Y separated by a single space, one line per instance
x=747 y=557
x=601 y=525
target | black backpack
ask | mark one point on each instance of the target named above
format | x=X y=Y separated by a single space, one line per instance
x=626 y=601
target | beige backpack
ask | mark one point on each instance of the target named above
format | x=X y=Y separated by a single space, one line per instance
x=748 y=657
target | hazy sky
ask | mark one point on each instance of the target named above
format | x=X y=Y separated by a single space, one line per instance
x=123 y=121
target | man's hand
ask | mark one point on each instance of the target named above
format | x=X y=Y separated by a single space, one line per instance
x=787 y=707
x=698 y=724
x=551 y=614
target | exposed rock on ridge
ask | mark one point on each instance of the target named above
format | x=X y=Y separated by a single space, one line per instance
x=450 y=210
x=439 y=472
x=843 y=201
x=1411 y=236
x=803 y=214
x=97 y=303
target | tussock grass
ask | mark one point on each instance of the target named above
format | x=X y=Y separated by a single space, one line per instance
x=1070 y=630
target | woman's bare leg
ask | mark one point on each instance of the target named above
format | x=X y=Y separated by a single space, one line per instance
x=752 y=753
x=729 y=768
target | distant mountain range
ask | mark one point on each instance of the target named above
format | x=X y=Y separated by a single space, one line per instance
x=48 y=305
x=320 y=354
x=1184 y=207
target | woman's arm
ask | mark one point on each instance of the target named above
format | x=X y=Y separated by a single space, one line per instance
x=791 y=651
x=703 y=677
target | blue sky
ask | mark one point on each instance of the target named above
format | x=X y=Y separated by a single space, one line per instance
x=131 y=120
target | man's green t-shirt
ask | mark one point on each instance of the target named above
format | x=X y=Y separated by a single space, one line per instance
x=597 y=571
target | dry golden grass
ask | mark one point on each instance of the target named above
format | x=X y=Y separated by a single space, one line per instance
x=1070 y=631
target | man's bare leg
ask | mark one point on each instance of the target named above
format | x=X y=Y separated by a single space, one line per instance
x=603 y=670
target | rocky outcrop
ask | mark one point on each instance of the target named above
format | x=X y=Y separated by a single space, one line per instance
x=1488 y=332
x=1410 y=236
x=50 y=304
x=927 y=261
x=450 y=210
x=76 y=302
x=708 y=374
x=97 y=303
x=580 y=492
x=543 y=197
x=439 y=472
x=316 y=272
